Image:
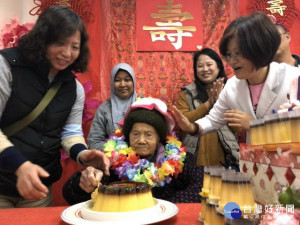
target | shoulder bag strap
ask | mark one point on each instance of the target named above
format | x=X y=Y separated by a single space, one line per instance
x=19 y=125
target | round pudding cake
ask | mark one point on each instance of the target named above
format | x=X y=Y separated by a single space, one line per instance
x=123 y=196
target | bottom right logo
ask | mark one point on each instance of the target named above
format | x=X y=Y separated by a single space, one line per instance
x=232 y=210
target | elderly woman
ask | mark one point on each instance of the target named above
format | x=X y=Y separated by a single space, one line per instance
x=160 y=159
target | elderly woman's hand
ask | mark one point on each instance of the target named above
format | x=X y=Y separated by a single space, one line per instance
x=90 y=179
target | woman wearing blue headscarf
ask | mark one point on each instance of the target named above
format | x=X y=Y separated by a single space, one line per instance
x=112 y=111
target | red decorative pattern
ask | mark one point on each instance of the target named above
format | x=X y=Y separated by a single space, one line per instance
x=277 y=169
x=81 y=7
x=290 y=176
x=162 y=74
x=269 y=173
x=113 y=39
x=255 y=168
x=278 y=158
x=245 y=168
x=289 y=14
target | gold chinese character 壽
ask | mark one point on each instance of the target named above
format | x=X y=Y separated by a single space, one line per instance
x=64 y=3
x=276 y=7
x=170 y=17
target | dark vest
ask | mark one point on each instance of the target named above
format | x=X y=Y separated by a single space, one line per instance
x=39 y=142
x=297 y=58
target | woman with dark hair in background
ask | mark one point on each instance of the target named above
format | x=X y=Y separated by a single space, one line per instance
x=44 y=60
x=195 y=101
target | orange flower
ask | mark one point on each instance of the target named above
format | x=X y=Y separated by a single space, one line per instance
x=133 y=157
x=118 y=132
x=122 y=158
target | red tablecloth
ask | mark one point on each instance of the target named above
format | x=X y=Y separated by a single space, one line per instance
x=187 y=215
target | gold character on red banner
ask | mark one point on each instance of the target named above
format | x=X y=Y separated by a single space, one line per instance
x=171 y=17
x=64 y=3
x=276 y=7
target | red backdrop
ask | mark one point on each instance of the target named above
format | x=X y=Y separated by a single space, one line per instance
x=112 y=29
x=290 y=17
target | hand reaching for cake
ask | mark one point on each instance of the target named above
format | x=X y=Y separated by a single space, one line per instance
x=95 y=158
x=90 y=179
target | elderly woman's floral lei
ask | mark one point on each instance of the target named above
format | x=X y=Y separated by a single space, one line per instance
x=128 y=165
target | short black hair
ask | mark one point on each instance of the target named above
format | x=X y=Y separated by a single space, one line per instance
x=257 y=36
x=54 y=24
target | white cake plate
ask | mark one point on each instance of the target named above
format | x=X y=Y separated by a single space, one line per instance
x=73 y=215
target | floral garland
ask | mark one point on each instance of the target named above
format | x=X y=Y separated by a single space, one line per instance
x=128 y=165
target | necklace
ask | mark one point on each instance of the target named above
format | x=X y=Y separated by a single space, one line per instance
x=128 y=165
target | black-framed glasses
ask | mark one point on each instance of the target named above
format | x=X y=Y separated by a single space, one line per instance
x=227 y=58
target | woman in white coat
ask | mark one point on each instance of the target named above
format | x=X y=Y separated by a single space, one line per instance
x=259 y=86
